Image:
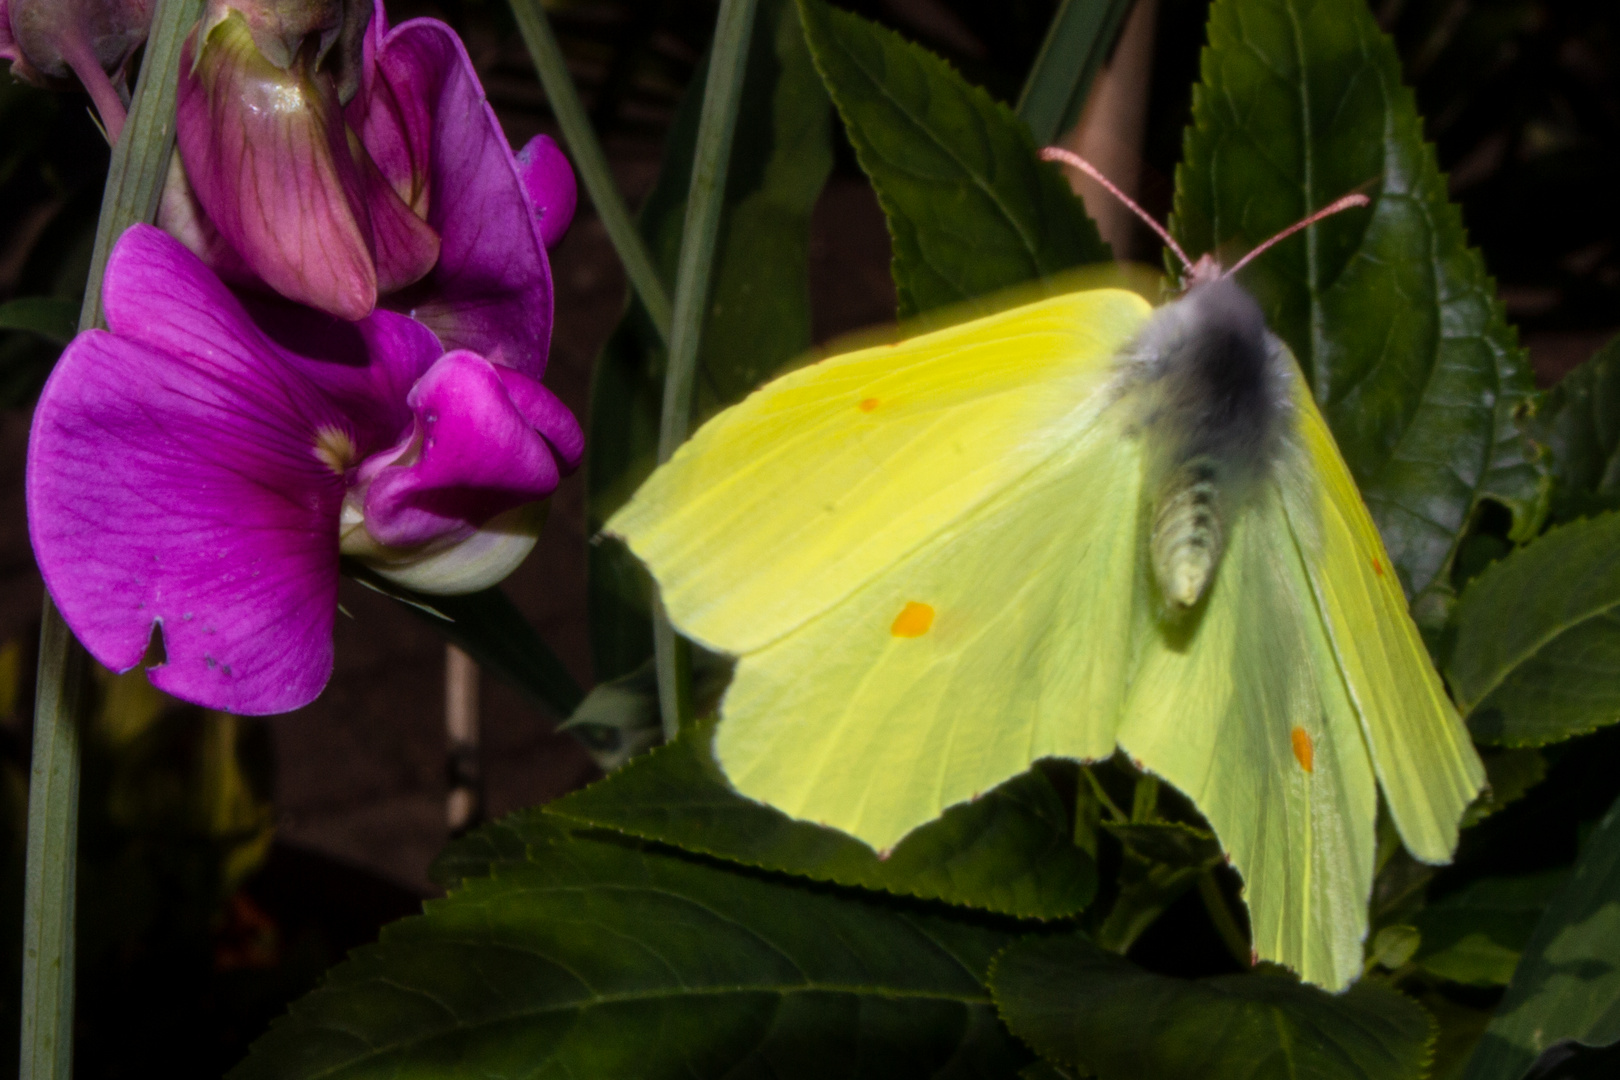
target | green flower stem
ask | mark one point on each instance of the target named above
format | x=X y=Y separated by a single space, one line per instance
x=1075 y=48
x=591 y=162
x=722 y=95
x=53 y=811
x=140 y=161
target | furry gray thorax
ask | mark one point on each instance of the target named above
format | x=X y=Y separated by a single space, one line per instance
x=1212 y=384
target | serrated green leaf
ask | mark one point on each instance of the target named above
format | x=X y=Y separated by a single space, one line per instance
x=1008 y=851
x=502 y=843
x=1475 y=936
x=603 y=960
x=1567 y=985
x=759 y=314
x=971 y=208
x=1536 y=657
x=1510 y=773
x=1388 y=309
x=1578 y=423
x=1461 y=1028
x=1074 y=1003
x=52 y=318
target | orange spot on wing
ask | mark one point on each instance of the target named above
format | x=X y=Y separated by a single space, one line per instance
x=1378 y=568
x=868 y=404
x=1303 y=751
x=913 y=621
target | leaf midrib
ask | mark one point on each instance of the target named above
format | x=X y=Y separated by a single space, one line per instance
x=607 y=1000
x=1030 y=247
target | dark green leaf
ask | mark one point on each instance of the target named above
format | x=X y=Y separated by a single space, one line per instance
x=1510 y=773
x=1578 y=422
x=972 y=210
x=1461 y=1028
x=1077 y=1004
x=1008 y=851
x=1390 y=313
x=503 y=843
x=1076 y=45
x=52 y=318
x=759 y=314
x=1567 y=985
x=1537 y=651
x=1045 y=1070
x=1475 y=936
x=1570 y=1060
x=599 y=959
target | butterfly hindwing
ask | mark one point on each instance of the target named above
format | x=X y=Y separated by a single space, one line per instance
x=1243 y=711
x=1425 y=761
x=1004 y=639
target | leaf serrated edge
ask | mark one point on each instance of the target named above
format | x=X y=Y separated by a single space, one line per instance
x=579 y=819
x=979 y=97
x=1487 y=581
x=990 y=974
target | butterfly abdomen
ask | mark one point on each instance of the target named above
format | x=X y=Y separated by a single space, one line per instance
x=1187 y=538
x=1214 y=401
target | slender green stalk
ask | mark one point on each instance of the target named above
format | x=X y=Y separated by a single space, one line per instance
x=48 y=882
x=1145 y=799
x=1220 y=914
x=722 y=94
x=140 y=159
x=1076 y=46
x=134 y=183
x=591 y=162
x=1114 y=812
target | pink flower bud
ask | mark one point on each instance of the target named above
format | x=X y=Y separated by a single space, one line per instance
x=283 y=179
x=51 y=42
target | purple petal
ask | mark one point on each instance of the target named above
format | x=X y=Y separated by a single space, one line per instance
x=365 y=368
x=546 y=413
x=269 y=161
x=491 y=289
x=406 y=246
x=173 y=480
x=548 y=180
x=182 y=217
x=474 y=453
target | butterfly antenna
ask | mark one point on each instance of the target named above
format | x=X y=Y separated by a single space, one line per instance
x=1068 y=157
x=1355 y=199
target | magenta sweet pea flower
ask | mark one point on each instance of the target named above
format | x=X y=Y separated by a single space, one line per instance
x=197 y=470
x=409 y=197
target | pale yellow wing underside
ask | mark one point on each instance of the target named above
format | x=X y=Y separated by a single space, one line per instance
x=1248 y=716
x=787 y=503
x=930 y=560
x=1426 y=763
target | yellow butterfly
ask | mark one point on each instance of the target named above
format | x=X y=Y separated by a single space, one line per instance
x=1073 y=526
